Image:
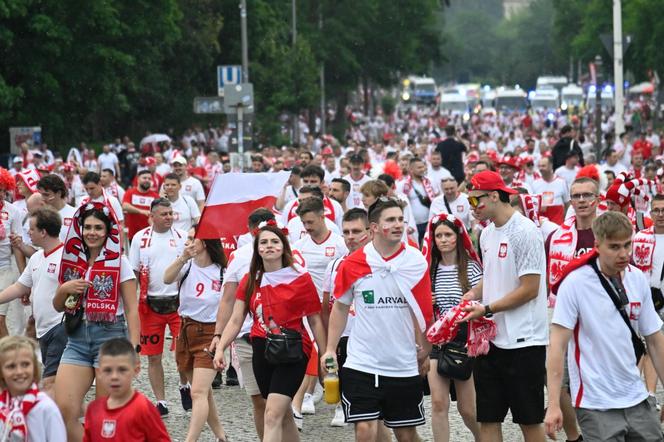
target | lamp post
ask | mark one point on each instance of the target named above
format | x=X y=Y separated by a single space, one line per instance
x=598 y=107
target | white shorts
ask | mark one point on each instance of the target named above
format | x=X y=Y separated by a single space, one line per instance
x=244 y=354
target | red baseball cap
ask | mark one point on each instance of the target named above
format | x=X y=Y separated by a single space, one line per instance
x=490 y=180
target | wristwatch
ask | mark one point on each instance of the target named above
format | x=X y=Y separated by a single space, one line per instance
x=138 y=348
x=487 y=311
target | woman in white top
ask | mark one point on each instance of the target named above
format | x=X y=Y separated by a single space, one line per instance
x=454 y=271
x=200 y=274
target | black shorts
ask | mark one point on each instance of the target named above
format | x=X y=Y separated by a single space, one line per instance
x=281 y=379
x=52 y=345
x=397 y=401
x=341 y=351
x=511 y=380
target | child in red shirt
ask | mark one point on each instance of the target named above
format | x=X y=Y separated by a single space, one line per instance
x=126 y=414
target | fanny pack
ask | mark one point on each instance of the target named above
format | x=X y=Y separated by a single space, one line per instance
x=453 y=359
x=163 y=305
x=284 y=348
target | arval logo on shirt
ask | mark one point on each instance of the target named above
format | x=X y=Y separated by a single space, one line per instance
x=368 y=296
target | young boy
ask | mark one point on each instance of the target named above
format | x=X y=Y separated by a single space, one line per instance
x=125 y=414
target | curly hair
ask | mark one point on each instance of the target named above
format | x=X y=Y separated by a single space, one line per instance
x=7 y=181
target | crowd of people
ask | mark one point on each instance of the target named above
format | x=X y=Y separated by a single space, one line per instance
x=416 y=226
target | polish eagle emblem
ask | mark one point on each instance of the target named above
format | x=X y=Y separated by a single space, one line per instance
x=102 y=285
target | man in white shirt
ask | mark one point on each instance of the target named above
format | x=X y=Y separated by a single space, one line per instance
x=569 y=170
x=610 y=398
x=613 y=164
x=191 y=186
x=420 y=193
x=339 y=191
x=40 y=278
x=356 y=178
x=54 y=192
x=152 y=251
x=389 y=286
x=312 y=176
x=185 y=210
x=452 y=202
x=436 y=172
x=108 y=160
x=110 y=185
x=296 y=229
x=513 y=292
x=554 y=191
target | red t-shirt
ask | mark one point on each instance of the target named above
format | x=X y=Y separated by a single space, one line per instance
x=256 y=309
x=134 y=221
x=138 y=420
x=157 y=181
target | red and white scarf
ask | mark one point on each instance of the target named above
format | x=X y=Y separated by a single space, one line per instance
x=102 y=297
x=562 y=249
x=113 y=189
x=408 y=270
x=480 y=331
x=14 y=412
x=426 y=183
x=531 y=205
x=30 y=177
x=327 y=204
x=643 y=247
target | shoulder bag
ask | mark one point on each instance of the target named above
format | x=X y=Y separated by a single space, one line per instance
x=656 y=293
x=620 y=300
x=284 y=346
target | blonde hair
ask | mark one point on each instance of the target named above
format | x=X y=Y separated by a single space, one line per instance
x=612 y=225
x=375 y=188
x=16 y=343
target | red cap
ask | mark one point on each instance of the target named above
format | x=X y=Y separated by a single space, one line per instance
x=510 y=161
x=490 y=180
x=327 y=150
x=150 y=161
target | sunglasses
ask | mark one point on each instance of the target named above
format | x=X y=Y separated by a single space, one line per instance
x=383 y=200
x=474 y=201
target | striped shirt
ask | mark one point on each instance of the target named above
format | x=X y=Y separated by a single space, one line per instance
x=447 y=291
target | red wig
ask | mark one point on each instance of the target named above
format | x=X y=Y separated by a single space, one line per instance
x=7 y=181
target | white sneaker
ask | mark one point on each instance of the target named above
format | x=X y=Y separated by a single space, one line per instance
x=318 y=393
x=339 y=419
x=299 y=420
x=308 y=406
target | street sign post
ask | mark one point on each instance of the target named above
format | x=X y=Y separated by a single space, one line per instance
x=239 y=98
x=229 y=74
x=209 y=105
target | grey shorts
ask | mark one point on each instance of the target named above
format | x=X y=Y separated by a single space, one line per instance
x=637 y=423
x=52 y=345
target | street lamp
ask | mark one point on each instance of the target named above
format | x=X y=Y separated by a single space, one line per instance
x=598 y=107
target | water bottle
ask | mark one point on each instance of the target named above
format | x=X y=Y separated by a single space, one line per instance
x=331 y=382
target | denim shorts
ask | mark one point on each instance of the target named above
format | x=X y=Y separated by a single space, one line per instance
x=83 y=345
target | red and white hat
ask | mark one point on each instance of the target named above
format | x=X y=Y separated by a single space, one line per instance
x=624 y=186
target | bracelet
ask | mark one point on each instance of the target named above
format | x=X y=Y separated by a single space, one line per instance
x=216 y=335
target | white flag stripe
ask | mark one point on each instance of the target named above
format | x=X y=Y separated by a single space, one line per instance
x=285 y=275
x=242 y=187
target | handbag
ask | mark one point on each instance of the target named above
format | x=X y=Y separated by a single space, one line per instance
x=424 y=200
x=73 y=321
x=163 y=305
x=656 y=293
x=453 y=359
x=620 y=302
x=284 y=347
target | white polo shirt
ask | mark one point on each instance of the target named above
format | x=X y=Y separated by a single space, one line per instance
x=602 y=366
x=318 y=256
x=41 y=275
x=509 y=252
x=200 y=292
x=157 y=251
x=185 y=210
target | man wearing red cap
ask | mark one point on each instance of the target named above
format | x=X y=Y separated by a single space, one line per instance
x=511 y=376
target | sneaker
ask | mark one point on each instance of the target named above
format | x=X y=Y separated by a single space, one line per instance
x=318 y=393
x=231 y=377
x=308 y=406
x=299 y=420
x=217 y=382
x=163 y=410
x=339 y=420
x=185 y=397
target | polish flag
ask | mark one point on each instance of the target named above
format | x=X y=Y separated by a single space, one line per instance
x=231 y=200
x=408 y=270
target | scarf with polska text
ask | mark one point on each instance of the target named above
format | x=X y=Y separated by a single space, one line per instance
x=14 y=412
x=103 y=295
x=426 y=183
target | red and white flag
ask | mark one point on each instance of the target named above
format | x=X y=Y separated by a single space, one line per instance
x=409 y=270
x=288 y=295
x=231 y=200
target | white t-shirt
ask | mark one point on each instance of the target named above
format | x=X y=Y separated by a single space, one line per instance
x=107 y=161
x=602 y=366
x=383 y=337
x=296 y=229
x=460 y=208
x=290 y=211
x=569 y=175
x=657 y=262
x=157 y=251
x=554 y=193
x=355 y=196
x=238 y=266
x=12 y=220
x=436 y=176
x=509 y=252
x=200 y=292
x=45 y=422
x=41 y=275
x=318 y=256
x=193 y=188
x=328 y=286
x=185 y=210
x=67 y=215
x=115 y=205
x=420 y=211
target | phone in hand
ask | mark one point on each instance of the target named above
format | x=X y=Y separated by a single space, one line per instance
x=209 y=353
